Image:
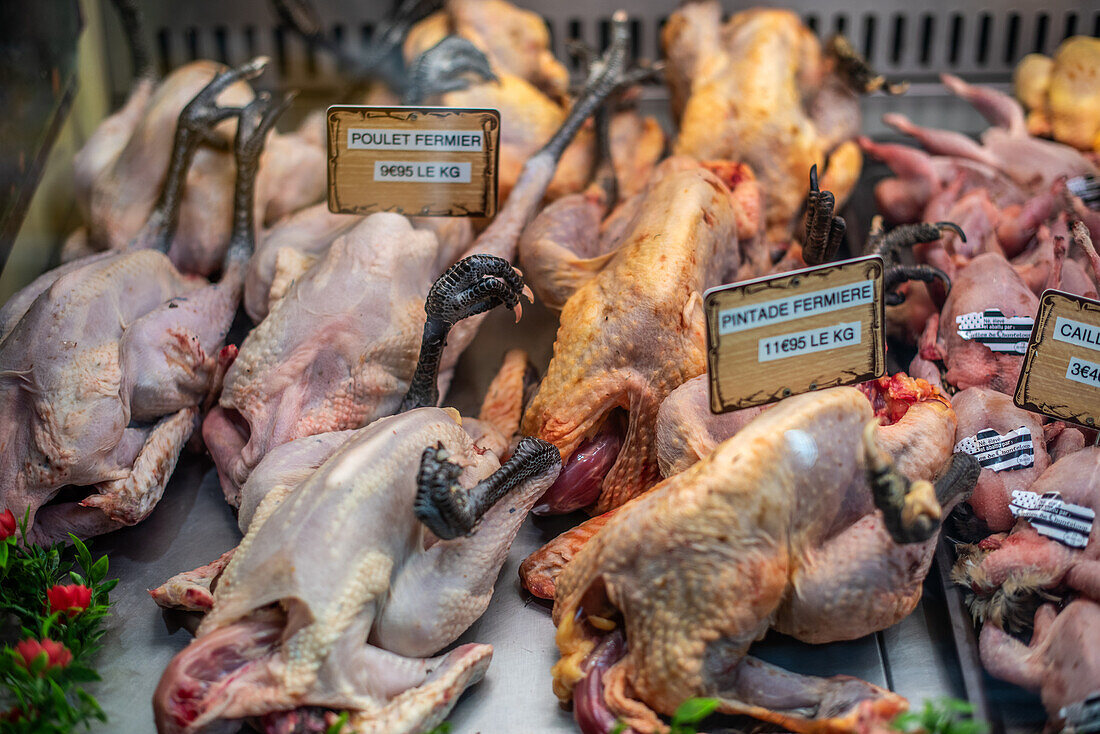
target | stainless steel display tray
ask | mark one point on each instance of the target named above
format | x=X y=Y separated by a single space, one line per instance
x=928 y=654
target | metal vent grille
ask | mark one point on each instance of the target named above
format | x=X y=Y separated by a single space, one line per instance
x=915 y=40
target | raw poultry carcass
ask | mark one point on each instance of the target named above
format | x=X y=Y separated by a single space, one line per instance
x=633 y=333
x=103 y=375
x=1007 y=573
x=577 y=236
x=778 y=527
x=999 y=190
x=426 y=514
x=918 y=430
x=760 y=90
x=339 y=349
x=124 y=164
x=1062 y=662
x=1062 y=93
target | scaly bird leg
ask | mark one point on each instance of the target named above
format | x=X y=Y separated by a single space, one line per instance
x=448 y=510
x=824 y=232
x=445 y=67
x=196 y=120
x=853 y=68
x=133 y=26
x=256 y=120
x=381 y=59
x=471 y=286
x=911 y=510
x=890 y=244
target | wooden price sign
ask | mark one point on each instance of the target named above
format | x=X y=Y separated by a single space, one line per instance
x=805 y=330
x=417 y=161
x=1061 y=372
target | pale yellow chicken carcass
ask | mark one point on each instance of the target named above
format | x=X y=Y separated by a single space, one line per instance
x=1062 y=93
x=760 y=90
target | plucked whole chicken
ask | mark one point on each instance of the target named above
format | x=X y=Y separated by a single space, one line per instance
x=210 y=307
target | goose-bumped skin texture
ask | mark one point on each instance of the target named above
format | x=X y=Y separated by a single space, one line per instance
x=336 y=562
x=776 y=527
x=63 y=388
x=759 y=90
x=336 y=352
x=636 y=331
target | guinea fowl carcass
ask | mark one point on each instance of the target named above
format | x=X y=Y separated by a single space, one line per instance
x=339 y=349
x=353 y=630
x=103 y=372
x=777 y=527
x=120 y=170
x=760 y=90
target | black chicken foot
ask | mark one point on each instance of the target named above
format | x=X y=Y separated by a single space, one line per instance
x=381 y=58
x=448 y=510
x=898 y=274
x=853 y=68
x=606 y=74
x=446 y=67
x=471 y=286
x=824 y=231
x=197 y=119
x=890 y=244
x=133 y=26
x=255 y=121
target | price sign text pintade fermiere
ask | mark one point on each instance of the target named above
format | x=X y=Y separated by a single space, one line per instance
x=1060 y=377
x=805 y=330
x=417 y=161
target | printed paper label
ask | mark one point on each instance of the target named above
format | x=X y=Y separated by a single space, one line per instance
x=812 y=340
x=795 y=307
x=1013 y=450
x=1051 y=516
x=1087 y=373
x=422 y=171
x=450 y=141
x=1076 y=332
x=1000 y=333
x=1082 y=717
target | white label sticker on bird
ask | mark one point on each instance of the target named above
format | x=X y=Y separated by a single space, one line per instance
x=1060 y=377
x=418 y=161
x=1000 y=333
x=1013 y=450
x=792 y=333
x=1053 y=517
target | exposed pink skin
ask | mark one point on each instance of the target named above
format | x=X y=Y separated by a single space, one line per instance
x=904 y=198
x=979 y=408
x=987 y=281
x=1036 y=561
x=1062 y=662
x=190 y=590
x=1063 y=439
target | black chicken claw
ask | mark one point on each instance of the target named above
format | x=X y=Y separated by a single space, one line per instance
x=449 y=65
x=471 y=286
x=448 y=510
x=824 y=231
